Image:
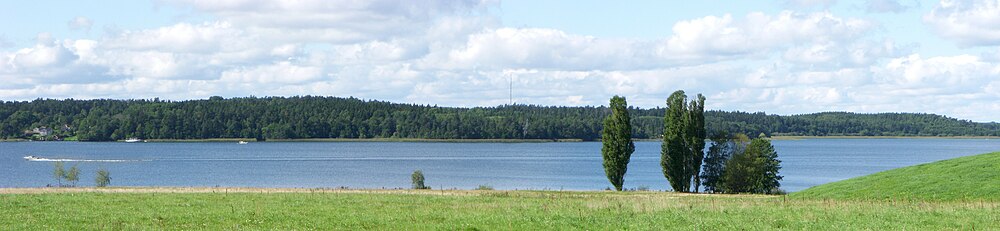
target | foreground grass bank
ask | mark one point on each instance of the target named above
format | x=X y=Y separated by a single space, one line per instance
x=211 y=208
x=880 y=137
x=964 y=178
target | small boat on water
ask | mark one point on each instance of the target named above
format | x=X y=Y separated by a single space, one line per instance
x=30 y=158
x=133 y=140
x=243 y=142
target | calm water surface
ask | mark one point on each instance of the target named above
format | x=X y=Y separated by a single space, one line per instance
x=570 y=166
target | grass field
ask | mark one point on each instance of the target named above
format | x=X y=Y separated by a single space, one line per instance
x=956 y=194
x=965 y=178
x=302 y=209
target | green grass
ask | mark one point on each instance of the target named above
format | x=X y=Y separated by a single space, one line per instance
x=881 y=137
x=477 y=210
x=965 y=178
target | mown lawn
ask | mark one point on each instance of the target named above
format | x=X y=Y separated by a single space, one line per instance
x=478 y=210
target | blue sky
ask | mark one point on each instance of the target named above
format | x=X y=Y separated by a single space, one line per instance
x=784 y=56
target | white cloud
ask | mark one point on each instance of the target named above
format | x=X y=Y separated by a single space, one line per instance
x=759 y=33
x=80 y=23
x=39 y=56
x=885 y=6
x=543 y=49
x=455 y=53
x=941 y=75
x=338 y=21
x=183 y=37
x=810 y=3
x=279 y=73
x=836 y=55
x=697 y=41
x=968 y=22
x=944 y=85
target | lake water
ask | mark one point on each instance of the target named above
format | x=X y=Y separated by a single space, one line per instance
x=554 y=166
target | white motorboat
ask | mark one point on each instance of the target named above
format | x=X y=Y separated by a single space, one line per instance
x=243 y=142
x=133 y=140
x=30 y=158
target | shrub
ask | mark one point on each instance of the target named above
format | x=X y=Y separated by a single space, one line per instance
x=103 y=178
x=484 y=187
x=418 y=180
x=59 y=172
x=73 y=175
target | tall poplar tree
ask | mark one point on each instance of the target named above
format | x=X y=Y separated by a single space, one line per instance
x=675 y=154
x=683 y=141
x=696 y=138
x=617 y=142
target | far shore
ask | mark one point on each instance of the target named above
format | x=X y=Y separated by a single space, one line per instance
x=372 y=140
x=514 y=140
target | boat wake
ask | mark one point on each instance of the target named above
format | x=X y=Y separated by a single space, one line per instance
x=35 y=158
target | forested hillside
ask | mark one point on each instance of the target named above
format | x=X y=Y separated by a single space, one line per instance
x=331 y=117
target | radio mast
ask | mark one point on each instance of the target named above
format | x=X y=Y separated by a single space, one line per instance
x=510 y=89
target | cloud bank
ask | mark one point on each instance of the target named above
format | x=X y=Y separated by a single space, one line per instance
x=457 y=53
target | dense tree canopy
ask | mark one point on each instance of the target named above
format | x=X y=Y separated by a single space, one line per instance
x=722 y=149
x=755 y=170
x=331 y=117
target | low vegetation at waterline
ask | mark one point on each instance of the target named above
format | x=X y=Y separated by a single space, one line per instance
x=59 y=172
x=964 y=178
x=268 y=209
x=417 y=179
x=103 y=178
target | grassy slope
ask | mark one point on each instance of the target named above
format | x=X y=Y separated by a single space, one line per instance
x=471 y=210
x=965 y=178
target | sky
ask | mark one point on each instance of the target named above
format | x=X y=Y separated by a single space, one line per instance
x=781 y=57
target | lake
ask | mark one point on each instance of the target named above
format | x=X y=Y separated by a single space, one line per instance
x=553 y=166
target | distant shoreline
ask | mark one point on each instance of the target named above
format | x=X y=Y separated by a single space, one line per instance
x=375 y=140
x=222 y=140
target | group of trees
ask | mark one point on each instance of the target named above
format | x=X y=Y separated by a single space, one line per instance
x=72 y=175
x=733 y=165
x=60 y=173
x=332 y=117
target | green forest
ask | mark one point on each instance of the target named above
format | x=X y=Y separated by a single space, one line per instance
x=332 y=117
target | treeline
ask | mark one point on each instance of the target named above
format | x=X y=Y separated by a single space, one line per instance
x=332 y=117
x=847 y=124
